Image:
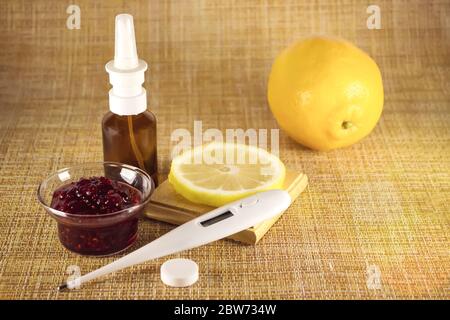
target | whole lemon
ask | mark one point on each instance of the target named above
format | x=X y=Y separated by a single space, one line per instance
x=325 y=93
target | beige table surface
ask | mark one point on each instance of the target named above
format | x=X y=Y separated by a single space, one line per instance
x=380 y=206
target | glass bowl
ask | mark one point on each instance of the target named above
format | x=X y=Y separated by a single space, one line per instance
x=97 y=234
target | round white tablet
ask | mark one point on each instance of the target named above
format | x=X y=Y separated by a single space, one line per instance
x=179 y=272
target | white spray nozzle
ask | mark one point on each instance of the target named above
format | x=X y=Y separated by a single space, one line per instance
x=126 y=71
x=125 y=53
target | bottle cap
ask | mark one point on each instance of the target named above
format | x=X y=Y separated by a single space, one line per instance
x=179 y=272
x=126 y=71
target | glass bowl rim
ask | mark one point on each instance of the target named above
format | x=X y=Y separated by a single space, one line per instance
x=99 y=216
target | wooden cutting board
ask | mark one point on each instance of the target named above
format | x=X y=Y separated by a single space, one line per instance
x=168 y=206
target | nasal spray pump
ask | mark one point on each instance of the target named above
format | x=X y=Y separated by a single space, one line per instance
x=129 y=129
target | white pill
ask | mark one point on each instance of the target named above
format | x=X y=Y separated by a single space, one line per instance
x=179 y=272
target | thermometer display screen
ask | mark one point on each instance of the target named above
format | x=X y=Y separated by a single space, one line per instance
x=216 y=219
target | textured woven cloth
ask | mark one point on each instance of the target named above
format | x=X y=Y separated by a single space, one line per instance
x=374 y=221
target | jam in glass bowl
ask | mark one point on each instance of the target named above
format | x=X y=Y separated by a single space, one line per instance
x=96 y=205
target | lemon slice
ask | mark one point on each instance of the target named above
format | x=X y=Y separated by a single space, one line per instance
x=218 y=173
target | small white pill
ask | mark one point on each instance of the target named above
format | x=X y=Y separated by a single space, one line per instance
x=179 y=272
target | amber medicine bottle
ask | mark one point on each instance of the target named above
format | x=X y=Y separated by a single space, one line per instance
x=128 y=129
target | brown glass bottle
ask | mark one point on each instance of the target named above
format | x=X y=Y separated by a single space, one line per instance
x=131 y=139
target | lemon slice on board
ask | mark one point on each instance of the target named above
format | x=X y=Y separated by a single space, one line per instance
x=218 y=173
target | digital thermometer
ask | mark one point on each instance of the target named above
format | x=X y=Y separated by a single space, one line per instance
x=214 y=225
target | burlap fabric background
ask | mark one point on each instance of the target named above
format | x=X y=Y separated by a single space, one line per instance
x=381 y=205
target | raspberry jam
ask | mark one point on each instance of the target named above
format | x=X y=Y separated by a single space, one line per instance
x=93 y=198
